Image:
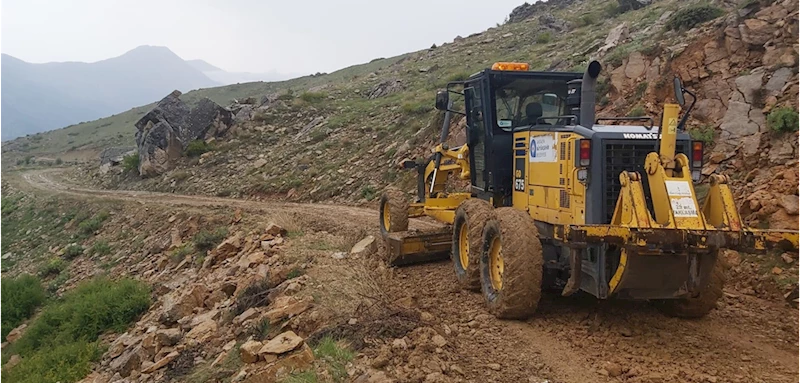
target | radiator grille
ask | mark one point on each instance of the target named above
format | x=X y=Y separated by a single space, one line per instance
x=628 y=156
x=564 y=199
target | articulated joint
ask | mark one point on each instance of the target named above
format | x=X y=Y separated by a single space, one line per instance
x=718 y=179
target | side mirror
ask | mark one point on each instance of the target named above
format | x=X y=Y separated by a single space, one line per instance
x=442 y=99
x=679 y=91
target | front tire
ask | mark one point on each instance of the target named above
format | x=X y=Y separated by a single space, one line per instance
x=393 y=211
x=511 y=264
x=701 y=304
x=471 y=217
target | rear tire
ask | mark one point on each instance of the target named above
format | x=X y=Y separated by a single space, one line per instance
x=393 y=211
x=511 y=264
x=701 y=304
x=471 y=217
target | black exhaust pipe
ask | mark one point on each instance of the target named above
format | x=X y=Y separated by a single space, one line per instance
x=588 y=85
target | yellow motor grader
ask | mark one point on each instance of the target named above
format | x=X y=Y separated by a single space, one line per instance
x=560 y=199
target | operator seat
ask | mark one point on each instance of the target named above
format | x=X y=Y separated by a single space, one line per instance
x=532 y=112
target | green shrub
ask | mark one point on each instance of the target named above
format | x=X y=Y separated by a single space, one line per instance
x=368 y=192
x=180 y=253
x=20 y=297
x=288 y=96
x=636 y=111
x=73 y=251
x=68 y=362
x=57 y=282
x=544 y=37
x=312 y=97
x=52 y=267
x=196 y=148
x=690 y=17
x=335 y=356
x=90 y=226
x=59 y=161
x=460 y=76
x=640 y=89
x=130 y=162
x=416 y=108
x=92 y=308
x=264 y=117
x=206 y=240
x=587 y=19
x=60 y=344
x=783 y=119
x=100 y=248
x=703 y=133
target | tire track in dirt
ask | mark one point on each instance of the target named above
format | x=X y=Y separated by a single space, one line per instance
x=576 y=339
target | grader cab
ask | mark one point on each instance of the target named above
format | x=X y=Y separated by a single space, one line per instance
x=562 y=200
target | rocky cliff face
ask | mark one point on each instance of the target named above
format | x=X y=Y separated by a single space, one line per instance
x=742 y=67
x=165 y=132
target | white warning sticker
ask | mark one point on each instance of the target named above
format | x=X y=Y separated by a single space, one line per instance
x=543 y=148
x=678 y=188
x=684 y=207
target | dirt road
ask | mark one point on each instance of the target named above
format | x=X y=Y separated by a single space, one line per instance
x=747 y=339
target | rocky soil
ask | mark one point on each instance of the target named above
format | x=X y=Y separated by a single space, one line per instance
x=254 y=306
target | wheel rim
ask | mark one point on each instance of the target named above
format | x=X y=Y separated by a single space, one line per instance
x=496 y=263
x=386 y=216
x=463 y=247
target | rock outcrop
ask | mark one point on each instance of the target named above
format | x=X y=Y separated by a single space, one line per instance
x=165 y=132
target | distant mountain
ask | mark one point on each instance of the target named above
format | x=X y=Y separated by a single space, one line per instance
x=227 y=78
x=41 y=97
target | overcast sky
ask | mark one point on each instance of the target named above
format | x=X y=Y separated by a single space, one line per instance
x=286 y=36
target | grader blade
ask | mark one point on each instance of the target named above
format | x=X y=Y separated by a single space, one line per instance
x=411 y=247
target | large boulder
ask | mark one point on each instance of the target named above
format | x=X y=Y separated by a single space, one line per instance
x=165 y=132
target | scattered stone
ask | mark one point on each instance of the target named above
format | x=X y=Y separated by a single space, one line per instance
x=787 y=257
x=439 y=341
x=625 y=331
x=168 y=337
x=364 y=247
x=274 y=229
x=777 y=270
x=298 y=361
x=249 y=351
x=127 y=362
x=203 y=331
x=399 y=344
x=247 y=314
x=281 y=344
x=612 y=369
x=494 y=366
x=286 y=307
x=16 y=333
x=13 y=361
x=161 y=362
x=339 y=255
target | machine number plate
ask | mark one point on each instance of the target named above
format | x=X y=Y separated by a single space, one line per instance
x=519 y=177
x=680 y=197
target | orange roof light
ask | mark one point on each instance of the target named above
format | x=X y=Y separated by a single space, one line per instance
x=510 y=66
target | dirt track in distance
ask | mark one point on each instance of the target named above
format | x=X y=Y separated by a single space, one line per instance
x=570 y=340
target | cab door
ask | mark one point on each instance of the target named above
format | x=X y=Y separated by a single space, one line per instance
x=476 y=134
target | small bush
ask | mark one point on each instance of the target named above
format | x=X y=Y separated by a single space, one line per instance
x=544 y=37
x=783 y=119
x=59 y=161
x=460 y=76
x=90 y=226
x=255 y=294
x=57 y=282
x=690 y=17
x=52 y=267
x=288 y=96
x=368 y=192
x=416 y=108
x=636 y=111
x=100 y=248
x=206 y=240
x=640 y=89
x=73 y=251
x=703 y=133
x=312 y=97
x=587 y=19
x=336 y=356
x=20 y=298
x=180 y=253
x=196 y=148
x=296 y=272
x=130 y=162
x=69 y=362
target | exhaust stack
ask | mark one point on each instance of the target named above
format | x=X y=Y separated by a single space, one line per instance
x=588 y=85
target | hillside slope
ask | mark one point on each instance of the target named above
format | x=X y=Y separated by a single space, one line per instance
x=41 y=97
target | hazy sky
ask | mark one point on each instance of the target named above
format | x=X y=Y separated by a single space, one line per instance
x=286 y=36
